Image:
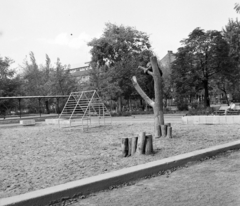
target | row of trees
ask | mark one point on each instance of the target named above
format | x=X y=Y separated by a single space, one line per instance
x=34 y=80
x=207 y=61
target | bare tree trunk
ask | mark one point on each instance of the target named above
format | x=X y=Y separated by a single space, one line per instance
x=206 y=93
x=119 y=105
x=158 y=106
x=47 y=106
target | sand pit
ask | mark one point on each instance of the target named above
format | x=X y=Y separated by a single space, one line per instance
x=37 y=157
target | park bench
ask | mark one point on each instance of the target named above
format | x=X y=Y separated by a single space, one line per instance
x=221 y=111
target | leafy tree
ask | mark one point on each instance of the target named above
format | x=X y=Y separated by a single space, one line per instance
x=231 y=35
x=10 y=84
x=62 y=80
x=33 y=77
x=237 y=7
x=44 y=80
x=203 y=57
x=115 y=58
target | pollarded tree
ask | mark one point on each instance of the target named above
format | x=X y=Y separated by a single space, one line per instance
x=204 y=55
x=116 y=56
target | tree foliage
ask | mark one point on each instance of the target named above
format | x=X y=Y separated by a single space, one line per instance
x=46 y=79
x=10 y=84
x=115 y=58
x=237 y=7
x=231 y=35
x=202 y=58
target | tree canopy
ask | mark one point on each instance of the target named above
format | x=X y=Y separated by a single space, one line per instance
x=202 y=58
x=115 y=58
x=10 y=83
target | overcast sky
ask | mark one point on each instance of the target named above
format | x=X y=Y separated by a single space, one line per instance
x=62 y=28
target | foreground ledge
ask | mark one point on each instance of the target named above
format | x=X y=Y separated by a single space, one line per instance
x=212 y=119
x=104 y=181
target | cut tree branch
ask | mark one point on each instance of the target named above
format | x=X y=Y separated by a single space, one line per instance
x=141 y=92
x=146 y=70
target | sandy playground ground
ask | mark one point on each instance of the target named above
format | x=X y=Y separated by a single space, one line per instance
x=41 y=156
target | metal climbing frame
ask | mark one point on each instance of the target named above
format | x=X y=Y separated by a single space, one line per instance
x=84 y=108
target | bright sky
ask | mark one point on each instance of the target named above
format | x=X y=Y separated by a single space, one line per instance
x=62 y=28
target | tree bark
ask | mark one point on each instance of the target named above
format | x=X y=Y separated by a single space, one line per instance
x=164 y=130
x=119 y=104
x=149 y=145
x=158 y=105
x=124 y=146
x=158 y=89
x=47 y=106
x=141 y=92
x=206 y=93
x=129 y=147
x=169 y=132
x=134 y=145
x=141 y=143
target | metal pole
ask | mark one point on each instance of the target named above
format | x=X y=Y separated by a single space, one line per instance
x=20 y=109
x=39 y=103
x=58 y=112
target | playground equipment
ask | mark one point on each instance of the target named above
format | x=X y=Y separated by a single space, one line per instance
x=84 y=108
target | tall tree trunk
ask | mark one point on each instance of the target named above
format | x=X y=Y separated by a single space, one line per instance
x=158 y=104
x=158 y=89
x=111 y=106
x=206 y=93
x=141 y=104
x=47 y=106
x=119 y=104
x=130 y=104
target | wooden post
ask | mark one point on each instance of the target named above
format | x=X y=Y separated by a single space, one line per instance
x=149 y=145
x=141 y=143
x=160 y=131
x=129 y=147
x=134 y=145
x=164 y=130
x=124 y=146
x=169 y=132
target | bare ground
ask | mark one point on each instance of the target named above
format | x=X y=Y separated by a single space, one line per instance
x=37 y=157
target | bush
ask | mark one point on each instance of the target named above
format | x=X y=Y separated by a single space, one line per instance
x=182 y=106
x=201 y=111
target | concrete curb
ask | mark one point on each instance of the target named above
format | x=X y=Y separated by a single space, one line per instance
x=211 y=119
x=104 y=181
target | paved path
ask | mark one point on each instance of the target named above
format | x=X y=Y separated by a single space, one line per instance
x=212 y=182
